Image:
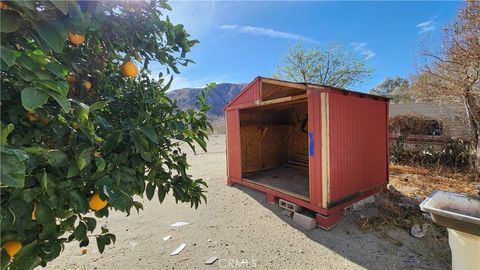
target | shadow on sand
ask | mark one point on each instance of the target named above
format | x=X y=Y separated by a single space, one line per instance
x=369 y=250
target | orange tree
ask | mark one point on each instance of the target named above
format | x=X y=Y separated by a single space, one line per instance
x=84 y=128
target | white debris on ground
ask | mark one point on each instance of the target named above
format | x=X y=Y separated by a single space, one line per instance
x=166 y=237
x=211 y=260
x=360 y=204
x=418 y=231
x=179 y=224
x=178 y=250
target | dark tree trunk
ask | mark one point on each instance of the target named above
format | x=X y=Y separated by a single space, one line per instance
x=473 y=111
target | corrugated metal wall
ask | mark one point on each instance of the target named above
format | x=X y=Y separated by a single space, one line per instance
x=358 y=144
x=234 y=162
x=249 y=95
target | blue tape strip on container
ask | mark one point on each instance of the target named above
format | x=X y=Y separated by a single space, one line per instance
x=312 y=144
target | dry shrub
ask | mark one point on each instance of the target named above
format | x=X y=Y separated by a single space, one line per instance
x=415 y=143
x=413 y=124
x=454 y=154
x=392 y=215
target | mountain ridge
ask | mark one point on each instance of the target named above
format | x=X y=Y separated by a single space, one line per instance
x=217 y=97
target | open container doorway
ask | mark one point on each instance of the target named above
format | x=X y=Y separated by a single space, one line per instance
x=274 y=147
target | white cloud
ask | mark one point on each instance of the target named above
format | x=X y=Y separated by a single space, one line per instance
x=229 y=27
x=426 y=26
x=261 y=31
x=362 y=48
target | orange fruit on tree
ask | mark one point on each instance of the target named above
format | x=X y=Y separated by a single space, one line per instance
x=129 y=69
x=12 y=247
x=75 y=39
x=70 y=78
x=88 y=85
x=34 y=216
x=31 y=116
x=96 y=203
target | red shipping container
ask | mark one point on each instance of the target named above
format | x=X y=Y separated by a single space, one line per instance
x=320 y=147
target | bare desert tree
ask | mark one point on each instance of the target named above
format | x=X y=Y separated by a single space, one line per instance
x=333 y=66
x=453 y=72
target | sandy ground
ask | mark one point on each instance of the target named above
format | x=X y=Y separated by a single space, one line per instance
x=244 y=231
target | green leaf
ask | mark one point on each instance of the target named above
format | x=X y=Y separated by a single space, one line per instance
x=100 y=244
x=150 y=133
x=33 y=98
x=60 y=87
x=161 y=194
x=72 y=169
x=44 y=214
x=201 y=142
x=4 y=260
x=56 y=158
x=6 y=130
x=100 y=162
x=104 y=181
x=57 y=69
x=6 y=218
x=34 y=150
x=98 y=105
x=25 y=74
x=44 y=181
x=81 y=163
x=10 y=21
x=80 y=231
x=61 y=5
x=91 y=223
x=12 y=167
x=78 y=202
x=21 y=210
x=62 y=100
x=53 y=253
x=27 y=63
x=52 y=33
x=26 y=258
x=112 y=237
x=84 y=242
x=7 y=56
x=118 y=197
x=44 y=75
x=150 y=190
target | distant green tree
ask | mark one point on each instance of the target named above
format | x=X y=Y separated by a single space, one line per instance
x=332 y=66
x=397 y=89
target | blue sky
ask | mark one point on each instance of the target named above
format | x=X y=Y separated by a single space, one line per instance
x=240 y=40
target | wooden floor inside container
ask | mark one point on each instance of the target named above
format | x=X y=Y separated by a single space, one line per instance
x=286 y=179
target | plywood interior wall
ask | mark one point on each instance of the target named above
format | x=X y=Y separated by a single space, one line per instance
x=298 y=140
x=273 y=136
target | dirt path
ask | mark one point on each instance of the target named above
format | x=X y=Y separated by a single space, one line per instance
x=238 y=226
